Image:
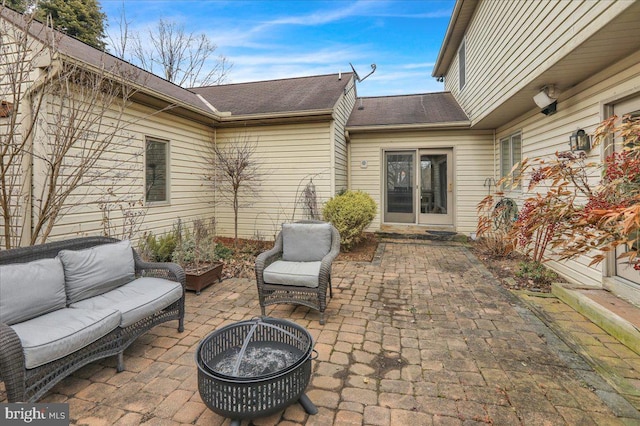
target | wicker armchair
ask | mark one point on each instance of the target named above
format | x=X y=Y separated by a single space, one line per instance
x=297 y=270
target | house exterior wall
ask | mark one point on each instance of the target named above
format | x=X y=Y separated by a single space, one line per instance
x=586 y=107
x=497 y=67
x=289 y=157
x=473 y=160
x=188 y=197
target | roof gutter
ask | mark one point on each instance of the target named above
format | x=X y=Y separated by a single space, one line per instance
x=449 y=125
x=138 y=86
x=315 y=115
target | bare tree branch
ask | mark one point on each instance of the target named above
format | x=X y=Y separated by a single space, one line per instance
x=182 y=57
x=65 y=138
x=236 y=175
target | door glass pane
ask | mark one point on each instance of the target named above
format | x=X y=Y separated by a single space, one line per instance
x=623 y=268
x=433 y=184
x=400 y=182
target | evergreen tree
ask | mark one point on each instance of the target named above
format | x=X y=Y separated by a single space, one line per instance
x=18 y=5
x=82 y=19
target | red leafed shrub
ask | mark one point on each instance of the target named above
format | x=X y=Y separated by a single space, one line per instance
x=576 y=206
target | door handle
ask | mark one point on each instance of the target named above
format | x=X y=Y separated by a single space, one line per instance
x=450 y=187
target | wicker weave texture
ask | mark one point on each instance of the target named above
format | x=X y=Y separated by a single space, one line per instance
x=315 y=298
x=29 y=385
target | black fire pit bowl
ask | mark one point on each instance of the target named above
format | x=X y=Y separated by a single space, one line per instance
x=255 y=368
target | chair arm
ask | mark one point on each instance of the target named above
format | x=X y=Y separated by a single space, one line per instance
x=327 y=260
x=167 y=270
x=266 y=258
x=12 y=364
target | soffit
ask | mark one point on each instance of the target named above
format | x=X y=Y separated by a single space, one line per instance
x=619 y=39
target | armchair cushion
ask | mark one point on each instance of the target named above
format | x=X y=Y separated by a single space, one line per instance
x=96 y=270
x=305 y=242
x=22 y=299
x=304 y=274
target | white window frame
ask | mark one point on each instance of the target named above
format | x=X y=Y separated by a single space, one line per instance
x=462 y=64
x=148 y=140
x=513 y=157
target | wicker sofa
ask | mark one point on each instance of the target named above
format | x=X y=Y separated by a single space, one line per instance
x=66 y=304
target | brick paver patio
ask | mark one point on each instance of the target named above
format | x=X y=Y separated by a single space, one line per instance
x=421 y=336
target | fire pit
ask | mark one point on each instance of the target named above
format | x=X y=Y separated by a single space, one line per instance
x=255 y=368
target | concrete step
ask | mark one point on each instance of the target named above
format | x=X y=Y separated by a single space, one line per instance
x=614 y=315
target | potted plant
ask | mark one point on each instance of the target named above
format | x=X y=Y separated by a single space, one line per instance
x=198 y=254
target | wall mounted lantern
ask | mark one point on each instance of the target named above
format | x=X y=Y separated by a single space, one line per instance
x=580 y=141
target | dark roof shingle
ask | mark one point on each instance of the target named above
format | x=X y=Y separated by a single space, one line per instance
x=78 y=50
x=320 y=92
x=422 y=109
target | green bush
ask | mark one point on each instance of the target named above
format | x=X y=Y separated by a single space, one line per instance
x=536 y=272
x=350 y=212
x=159 y=249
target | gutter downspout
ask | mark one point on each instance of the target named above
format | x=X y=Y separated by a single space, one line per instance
x=495 y=155
x=347 y=139
x=215 y=175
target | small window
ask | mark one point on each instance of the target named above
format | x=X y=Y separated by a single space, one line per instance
x=510 y=153
x=462 y=64
x=156 y=171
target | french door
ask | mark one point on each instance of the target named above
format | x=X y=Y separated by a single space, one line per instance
x=418 y=187
x=400 y=195
x=436 y=187
x=622 y=268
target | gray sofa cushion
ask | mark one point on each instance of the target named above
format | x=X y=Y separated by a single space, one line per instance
x=97 y=270
x=303 y=274
x=305 y=242
x=57 y=334
x=28 y=290
x=136 y=300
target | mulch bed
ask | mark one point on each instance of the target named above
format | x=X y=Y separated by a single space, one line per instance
x=241 y=263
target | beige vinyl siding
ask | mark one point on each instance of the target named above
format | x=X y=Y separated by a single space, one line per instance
x=543 y=136
x=13 y=61
x=188 y=197
x=473 y=162
x=342 y=111
x=541 y=33
x=289 y=156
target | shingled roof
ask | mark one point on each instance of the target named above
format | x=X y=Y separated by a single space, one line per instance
x=73 y=48
x=420 y=110
x=320 y=92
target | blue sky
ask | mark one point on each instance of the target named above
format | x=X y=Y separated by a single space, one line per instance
x=280 y=39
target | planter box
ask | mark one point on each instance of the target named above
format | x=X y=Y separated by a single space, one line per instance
x=204 y=279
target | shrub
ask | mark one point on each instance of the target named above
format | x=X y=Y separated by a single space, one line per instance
x=495 y=244
x=350 y=212
x=536 y=272
x=158 y=248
